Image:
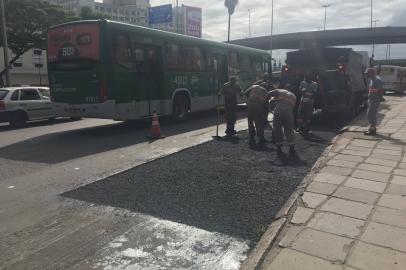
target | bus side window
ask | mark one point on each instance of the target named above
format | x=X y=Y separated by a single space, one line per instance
x=122 y=51
x=195 y=59
x=139 y=60
x=174 y=58
x=233 y=64
x=246 y=65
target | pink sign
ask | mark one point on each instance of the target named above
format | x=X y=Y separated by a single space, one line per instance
x=193 y=21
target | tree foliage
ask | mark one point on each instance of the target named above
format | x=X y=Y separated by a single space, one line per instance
x=230 y=5
x=86 y=13
x=28 y=21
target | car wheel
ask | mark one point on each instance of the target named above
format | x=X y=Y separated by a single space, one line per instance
x=19 y=119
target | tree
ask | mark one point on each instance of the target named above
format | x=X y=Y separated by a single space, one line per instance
x=230 y=5
x=27 y=24
x=86 y=13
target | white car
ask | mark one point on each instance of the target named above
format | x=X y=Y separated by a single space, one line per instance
x=21 y=104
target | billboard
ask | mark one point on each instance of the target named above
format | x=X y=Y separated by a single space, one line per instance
x=160 y=14
x=193 y=21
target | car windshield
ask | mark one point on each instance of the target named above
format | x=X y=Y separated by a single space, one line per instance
x=45 y=92
x=3 y=93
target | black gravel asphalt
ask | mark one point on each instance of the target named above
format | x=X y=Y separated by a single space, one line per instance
x=223 y=185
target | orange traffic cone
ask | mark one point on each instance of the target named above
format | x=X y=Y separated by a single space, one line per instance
x=155 y=128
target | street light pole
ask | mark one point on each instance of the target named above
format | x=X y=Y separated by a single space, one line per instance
x=371 y=14
x=249 y=22
x=271 y=47
x=4 y=39
x=325 y=14
x=373 y=45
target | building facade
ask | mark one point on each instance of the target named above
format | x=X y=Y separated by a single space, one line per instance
x=186 y=20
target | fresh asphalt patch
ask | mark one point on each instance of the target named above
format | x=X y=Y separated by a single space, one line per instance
x=224 y=186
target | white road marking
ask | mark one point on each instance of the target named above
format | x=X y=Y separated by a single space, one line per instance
x=76 y=169
x=162 y=244
x=10 y=187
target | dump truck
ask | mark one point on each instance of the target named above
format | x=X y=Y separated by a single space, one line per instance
x=339 y=73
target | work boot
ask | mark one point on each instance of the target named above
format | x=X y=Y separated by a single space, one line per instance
x=262 y=140
x=370 y=132
x=292 y=150
x=252 y=140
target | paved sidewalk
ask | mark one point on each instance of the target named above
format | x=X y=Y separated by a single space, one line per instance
x=352 y=215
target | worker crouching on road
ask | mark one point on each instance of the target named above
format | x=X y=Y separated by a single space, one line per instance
x=266 y=83
x=283 y=119
x=374 y=99
x=308 y=89
x=230 y=90
x=257 y=110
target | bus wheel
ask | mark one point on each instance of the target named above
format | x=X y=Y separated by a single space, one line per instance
x=19 y=119
x=180 y=108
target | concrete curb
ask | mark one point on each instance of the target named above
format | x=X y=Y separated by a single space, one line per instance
x=263 y=245
x=284 y=215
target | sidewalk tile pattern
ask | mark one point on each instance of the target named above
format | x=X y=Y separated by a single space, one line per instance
x=356 y=215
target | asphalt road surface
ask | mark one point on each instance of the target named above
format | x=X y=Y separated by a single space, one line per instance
x=55 y=214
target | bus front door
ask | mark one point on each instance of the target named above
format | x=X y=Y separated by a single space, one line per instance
x=150 y=78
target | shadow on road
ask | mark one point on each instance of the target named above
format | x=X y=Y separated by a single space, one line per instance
x=63 y=146
x=39 y=123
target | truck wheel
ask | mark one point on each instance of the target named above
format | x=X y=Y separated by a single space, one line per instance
x=180 y=108
x=19 y=119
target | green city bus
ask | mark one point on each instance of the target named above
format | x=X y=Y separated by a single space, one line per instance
x=112 y=70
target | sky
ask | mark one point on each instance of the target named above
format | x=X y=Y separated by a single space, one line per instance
x=299 y=15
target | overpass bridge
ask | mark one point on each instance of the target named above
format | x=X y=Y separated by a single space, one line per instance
x=326 y=38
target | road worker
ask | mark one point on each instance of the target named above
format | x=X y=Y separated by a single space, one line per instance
x=230 y=91
x=307 y=90
x=257 y=109
x=283 y=120
x=375 y=94
x=266 y=83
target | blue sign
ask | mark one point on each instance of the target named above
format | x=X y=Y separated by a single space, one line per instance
x=160 y=14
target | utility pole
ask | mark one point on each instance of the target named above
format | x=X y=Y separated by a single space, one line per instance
x=325 y=14
x=249 y=22
x=271 y=47
x=4 y=39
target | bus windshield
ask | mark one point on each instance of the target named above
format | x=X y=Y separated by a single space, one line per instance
x=73 y=47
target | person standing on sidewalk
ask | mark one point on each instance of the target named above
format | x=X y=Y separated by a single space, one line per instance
x=375 y=94
x=283 y=119
x=230 y=90
x=308 y=89
x=257 y=110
